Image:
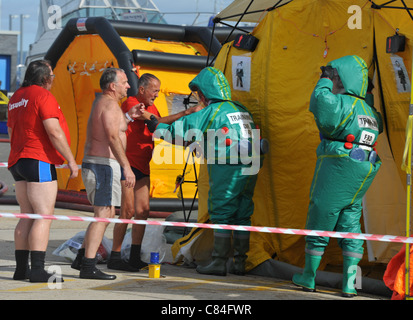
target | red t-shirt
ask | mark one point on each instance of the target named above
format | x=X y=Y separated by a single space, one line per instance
x=139 y=146
x=28 y=107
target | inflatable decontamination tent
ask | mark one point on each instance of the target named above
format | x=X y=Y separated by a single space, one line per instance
x=296 y=38
x=175 y=54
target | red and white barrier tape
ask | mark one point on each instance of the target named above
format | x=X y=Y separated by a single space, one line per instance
x=331 y=234
x=317 y=233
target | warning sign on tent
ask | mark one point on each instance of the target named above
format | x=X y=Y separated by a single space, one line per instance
x=401 y=75
x=241 y=73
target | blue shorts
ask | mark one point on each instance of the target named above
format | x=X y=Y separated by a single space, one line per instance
x=32 y=170
x=138 y=174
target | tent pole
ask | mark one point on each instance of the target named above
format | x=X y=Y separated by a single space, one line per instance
x=408 y=202
x=408 y=206
x=407 y=167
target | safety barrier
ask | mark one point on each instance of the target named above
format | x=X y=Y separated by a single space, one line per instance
x=318 y=233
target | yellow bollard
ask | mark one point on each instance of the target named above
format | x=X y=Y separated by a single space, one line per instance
x=154 y=270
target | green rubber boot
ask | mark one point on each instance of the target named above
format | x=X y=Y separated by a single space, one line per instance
x=349 y=276
x=241 y=247
x=222 y=248
x=306 y=280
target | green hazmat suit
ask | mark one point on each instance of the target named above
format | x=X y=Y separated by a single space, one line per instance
x=220 y=127
x=341 y=179
x=230 y=144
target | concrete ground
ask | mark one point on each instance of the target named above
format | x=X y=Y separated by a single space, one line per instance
x=175 y=283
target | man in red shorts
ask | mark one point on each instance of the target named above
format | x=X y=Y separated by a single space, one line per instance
x=39 y=140
x=135 y=202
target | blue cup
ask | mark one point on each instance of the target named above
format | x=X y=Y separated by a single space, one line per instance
x=155 y=257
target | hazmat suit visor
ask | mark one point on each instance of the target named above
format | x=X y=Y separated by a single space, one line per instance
x=195 y=95
x=353 y=74
x=198 y=97
x=212 y=83
x=338 y=87
x=332 y=74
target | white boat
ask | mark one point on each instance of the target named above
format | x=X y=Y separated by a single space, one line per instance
x=54 y=14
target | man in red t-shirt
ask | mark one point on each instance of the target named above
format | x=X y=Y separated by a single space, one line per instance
x=28 y=108
x=39 y=139
x=139 y=148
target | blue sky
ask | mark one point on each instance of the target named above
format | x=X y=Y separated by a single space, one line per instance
x=31 y=7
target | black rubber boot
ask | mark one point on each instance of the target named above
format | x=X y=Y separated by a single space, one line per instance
x=222 y=247
x=88 y=270
x=22 y=271
x=241 y=246
x=77 y=263
x=115 y=262
x=37 y=272
x=135 y=257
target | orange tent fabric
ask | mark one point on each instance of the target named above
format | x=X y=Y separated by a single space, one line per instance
x=395 y=274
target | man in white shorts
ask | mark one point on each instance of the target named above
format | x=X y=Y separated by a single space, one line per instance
x=102 y=163
x=101 y=177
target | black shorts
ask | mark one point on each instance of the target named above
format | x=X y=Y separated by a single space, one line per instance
x=32 y=170
x=138 y=174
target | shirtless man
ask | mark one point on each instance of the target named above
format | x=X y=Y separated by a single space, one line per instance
x=102 y=164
